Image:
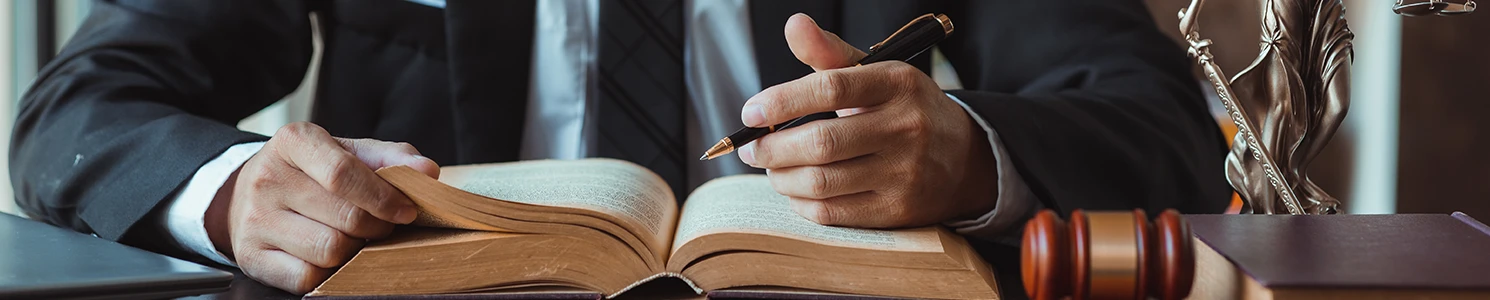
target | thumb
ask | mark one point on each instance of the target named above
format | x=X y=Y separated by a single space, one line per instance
x=379 y=154
x=818 y=48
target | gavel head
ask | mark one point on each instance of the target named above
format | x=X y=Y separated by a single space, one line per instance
x=1107 y=255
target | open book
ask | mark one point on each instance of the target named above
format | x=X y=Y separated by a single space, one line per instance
x=605 y=226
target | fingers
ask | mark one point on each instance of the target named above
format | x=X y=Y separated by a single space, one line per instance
x=317 y=204
x=829 y=90
x=860 y=210
x=284 y=271
x=378 y=154
x=818 y=48
x=310 y=241
x=817 y=143
x=324 y=159
x=831 y=180
x=308 y=201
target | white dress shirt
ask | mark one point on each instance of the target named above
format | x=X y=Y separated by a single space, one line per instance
x=720 y=72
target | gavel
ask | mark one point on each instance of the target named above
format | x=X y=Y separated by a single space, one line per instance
x=1107 y=255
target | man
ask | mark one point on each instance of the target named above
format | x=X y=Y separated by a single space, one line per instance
x=128 y=134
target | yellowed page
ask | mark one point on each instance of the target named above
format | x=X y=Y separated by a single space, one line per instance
x=747 y=204
x=613 y=187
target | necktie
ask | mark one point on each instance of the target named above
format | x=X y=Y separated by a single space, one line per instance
x=641 y=88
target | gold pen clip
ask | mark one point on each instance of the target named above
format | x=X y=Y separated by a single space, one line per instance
x=940 y=19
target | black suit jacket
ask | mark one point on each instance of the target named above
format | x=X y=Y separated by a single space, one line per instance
x=1096 y=107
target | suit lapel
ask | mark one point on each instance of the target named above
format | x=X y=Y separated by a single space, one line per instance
x=490 y=52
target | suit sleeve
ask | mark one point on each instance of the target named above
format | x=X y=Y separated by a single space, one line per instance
x=1096 y=108
x=142 y=95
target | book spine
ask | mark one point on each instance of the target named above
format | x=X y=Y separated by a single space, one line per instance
x=696 y=289
x=1471 y=222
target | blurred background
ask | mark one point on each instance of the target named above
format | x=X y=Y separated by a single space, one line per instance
x=1408 y=144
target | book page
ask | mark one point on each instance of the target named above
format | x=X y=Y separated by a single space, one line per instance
x=747 y=204
x=613 y=187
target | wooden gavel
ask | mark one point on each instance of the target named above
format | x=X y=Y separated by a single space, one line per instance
x=1107 y=255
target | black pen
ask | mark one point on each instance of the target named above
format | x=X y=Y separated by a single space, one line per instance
x=907 y=42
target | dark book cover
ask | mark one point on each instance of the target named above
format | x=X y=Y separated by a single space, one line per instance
x=1401 y=251
x=471 y=296
x=662 y=288
x=752 y=293
x=727 y=294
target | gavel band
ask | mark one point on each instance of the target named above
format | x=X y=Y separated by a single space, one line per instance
x=1114 y=255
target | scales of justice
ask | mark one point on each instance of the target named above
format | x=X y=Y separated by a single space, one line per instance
x=1287 y=104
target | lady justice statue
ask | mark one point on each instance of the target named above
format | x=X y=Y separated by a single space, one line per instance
x=1291 y=99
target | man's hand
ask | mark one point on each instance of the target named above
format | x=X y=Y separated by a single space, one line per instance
x=900 y=154
x=306 y=203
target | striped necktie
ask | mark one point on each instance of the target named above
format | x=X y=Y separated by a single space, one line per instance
x=641 y=86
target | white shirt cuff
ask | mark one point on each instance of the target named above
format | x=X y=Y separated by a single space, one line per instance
x=187 y=209
x=1015 y=202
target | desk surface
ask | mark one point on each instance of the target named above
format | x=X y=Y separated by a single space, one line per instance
x=246 y=288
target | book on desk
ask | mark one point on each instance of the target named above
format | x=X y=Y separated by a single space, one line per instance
x=597 y=227
x=1403 y=256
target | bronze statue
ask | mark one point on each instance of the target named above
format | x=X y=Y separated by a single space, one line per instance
x=1286 y=104
x=1291 y=99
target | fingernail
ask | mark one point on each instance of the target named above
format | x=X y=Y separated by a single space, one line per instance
x=752 y=115
x=406 y=215
x=747 y=154
x=415 y=159
x=810 y=19
x=435 y=173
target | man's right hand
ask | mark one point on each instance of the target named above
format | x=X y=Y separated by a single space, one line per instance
x=306 y=202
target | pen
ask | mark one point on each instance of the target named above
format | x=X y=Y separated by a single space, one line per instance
x=907 y=42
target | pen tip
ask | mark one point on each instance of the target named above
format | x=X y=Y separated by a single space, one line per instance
x=719 y=149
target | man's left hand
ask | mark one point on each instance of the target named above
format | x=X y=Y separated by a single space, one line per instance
x=901 y=153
